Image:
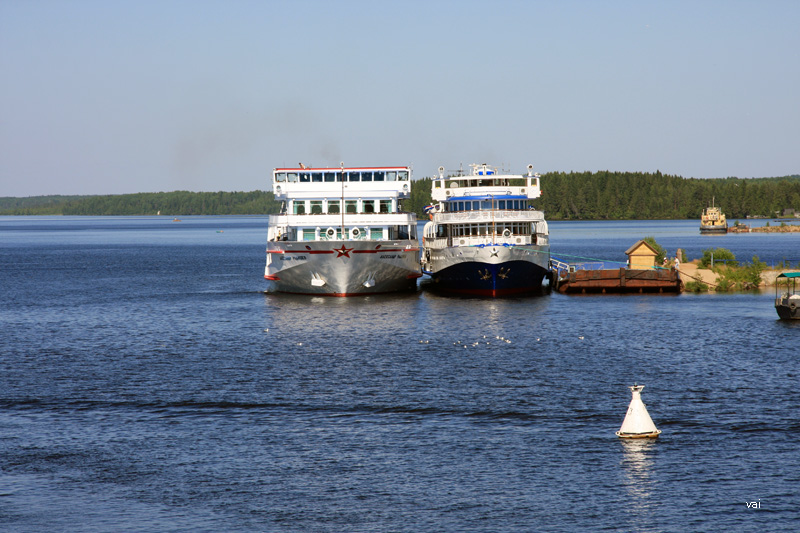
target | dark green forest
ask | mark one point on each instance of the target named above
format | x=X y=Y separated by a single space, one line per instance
x=629 y=195
x=152 y=203
x=565 y=196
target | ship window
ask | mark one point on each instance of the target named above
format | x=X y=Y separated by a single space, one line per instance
x=402 y=175
x=280 y=176
x=316 y=207
x=376 y=234
x=386 y=206
x=299 y=208
x=366 y=176
x=291 y=176
x=309 y=235
x=378 y=176
x=333 y=206
x=391 y=176
x=316 y=177
x=305 y=177
x=352 y=176
x=502 y=204
x=330 y=177
x=368 y=206
x=350 y=206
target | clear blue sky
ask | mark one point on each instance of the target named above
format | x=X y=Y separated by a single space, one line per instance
x=102 y=97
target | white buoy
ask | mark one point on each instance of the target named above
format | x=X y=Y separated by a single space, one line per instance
x=637 y=423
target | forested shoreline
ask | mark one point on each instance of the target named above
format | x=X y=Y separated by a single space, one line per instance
x=565 y=196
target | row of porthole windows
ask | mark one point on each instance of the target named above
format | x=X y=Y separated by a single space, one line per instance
x=318 y=207
x=331 y=177
x=335 y=234
x=358 y=233
x=486 y=205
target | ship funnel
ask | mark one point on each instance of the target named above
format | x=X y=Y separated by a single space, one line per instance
x=637 y=423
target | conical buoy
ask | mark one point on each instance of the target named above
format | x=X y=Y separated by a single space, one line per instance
x=637 y=423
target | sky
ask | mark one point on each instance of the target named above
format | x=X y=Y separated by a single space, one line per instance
x=100 y=97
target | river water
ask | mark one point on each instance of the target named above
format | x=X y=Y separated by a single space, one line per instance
x=147 y=383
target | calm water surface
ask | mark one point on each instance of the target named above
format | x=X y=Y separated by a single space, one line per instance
x=147 y=383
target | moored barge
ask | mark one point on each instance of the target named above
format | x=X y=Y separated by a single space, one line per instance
x=619 y=280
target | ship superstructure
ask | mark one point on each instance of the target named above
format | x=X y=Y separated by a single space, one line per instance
x=484 y=237
x=342 y=232
x=713 y=220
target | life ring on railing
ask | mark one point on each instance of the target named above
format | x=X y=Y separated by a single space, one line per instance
x=330 y=233
x=506 y=233
x=355 y=233
x=792 y=305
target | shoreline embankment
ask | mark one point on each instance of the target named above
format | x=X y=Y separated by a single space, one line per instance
x=692 y=272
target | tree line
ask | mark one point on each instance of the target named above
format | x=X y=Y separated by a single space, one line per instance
x=565 y=196
x=636 y=195
x=173 y=203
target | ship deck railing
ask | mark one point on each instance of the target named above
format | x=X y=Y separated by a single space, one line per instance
x=481 y=240
x=496 y=215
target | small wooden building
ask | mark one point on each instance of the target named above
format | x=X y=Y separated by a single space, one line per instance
x=641 y=256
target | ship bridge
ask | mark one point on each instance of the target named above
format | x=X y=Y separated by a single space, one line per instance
x=485 y=181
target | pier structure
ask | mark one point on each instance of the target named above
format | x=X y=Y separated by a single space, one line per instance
x=639 y=275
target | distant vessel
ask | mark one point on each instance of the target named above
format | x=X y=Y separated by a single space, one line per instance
x=341 y=232
x=484 y=238
x=788 y=304
x=713 y=220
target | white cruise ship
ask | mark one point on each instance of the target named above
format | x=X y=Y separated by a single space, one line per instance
x=484 y=237
x=341 y=232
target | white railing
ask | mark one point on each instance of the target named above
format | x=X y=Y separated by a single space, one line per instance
x=350 y=219
x=477 y=240
x=497 y=216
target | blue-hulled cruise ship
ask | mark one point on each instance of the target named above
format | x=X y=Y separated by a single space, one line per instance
x=484 y=237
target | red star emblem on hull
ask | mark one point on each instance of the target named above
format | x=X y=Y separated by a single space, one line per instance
x=343 y=251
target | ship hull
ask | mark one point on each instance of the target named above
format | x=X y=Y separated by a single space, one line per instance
x=342 y=268
x=787 y=312
x=493 y=271
x=713 y=230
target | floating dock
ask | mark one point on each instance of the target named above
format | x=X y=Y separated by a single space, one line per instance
x=618 y=280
